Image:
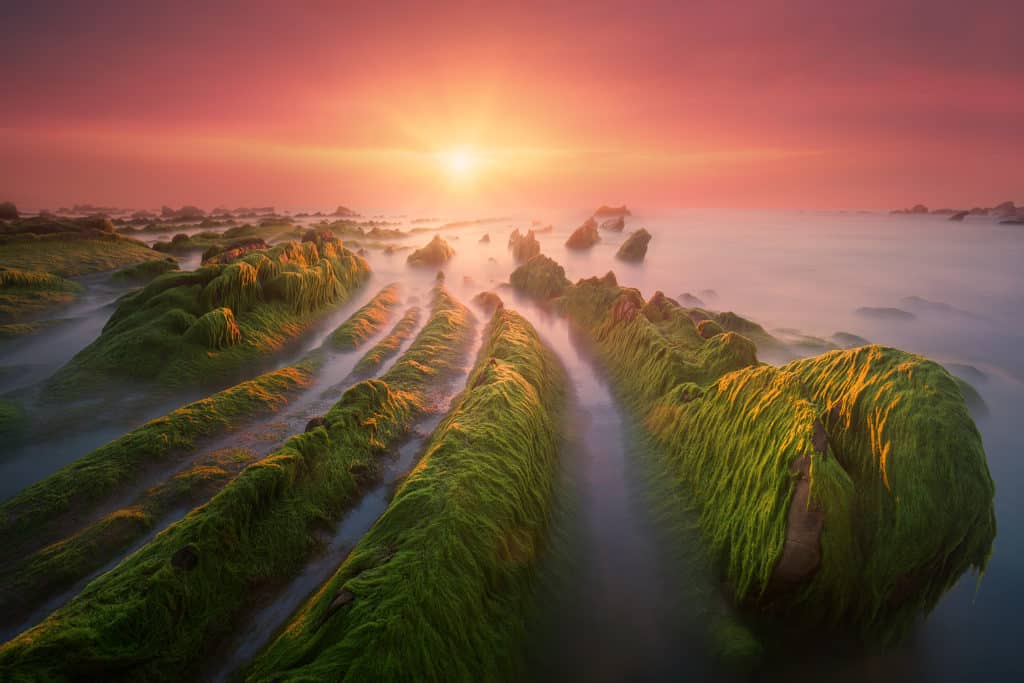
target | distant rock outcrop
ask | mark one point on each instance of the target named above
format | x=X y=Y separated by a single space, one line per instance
x=1004 y=210
x=345 y=212
x=486 y=239
x=8 y=211
x=489 y=301
x=885 y=313
x=540 y=277
x=584 y=236
x=690 y=301
x=958 y=216
x=612 y=212
x=436 y=253
x=635 y=246
x=524 y=247
x=185 y=213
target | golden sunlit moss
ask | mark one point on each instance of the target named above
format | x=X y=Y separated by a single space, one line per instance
x=368 y=320
x=438 y=588
x=389 y=345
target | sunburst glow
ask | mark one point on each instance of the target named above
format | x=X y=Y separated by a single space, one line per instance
x=460 y=163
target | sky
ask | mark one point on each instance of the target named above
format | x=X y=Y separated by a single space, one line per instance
x=447 y=105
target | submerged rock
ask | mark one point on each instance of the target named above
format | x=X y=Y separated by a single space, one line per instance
x=885 y=313
x=524 y=247
x=584 y=236
x=614 y=224
x=436 y=253
x=635 y=246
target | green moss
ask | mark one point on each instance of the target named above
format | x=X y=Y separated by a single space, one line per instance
x=13 y=422
x=389 y=345
x=170 y=333
x=902 y=481
x=58 y=566
x=540 y=277
x=73 y=492
x=144 y=272
x=24 y=293
x=70 y=255
x=368 y=320
x=635 y=246
x=437 y=252
x=437 y=590
x=151 y=616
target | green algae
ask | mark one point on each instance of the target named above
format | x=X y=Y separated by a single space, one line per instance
x=26 y=293
x=14 y=422
x=143 y=273
x=540 y=277
x=170 y=334
x=437 y=252
x=73 y=254
x=153 y=614
x=438 y=588
x=635 y=246
x=389 y=345
x=368 y=320
x=36 y=515
x=895 y=464
x=28 y=581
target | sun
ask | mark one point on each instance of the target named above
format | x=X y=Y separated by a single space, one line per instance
x=460 y=163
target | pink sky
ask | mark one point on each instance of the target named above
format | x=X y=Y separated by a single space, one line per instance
x=757 y=104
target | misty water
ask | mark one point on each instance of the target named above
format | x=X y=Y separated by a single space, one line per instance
x=798 y=272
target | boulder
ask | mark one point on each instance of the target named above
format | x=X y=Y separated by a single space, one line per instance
x=436 y=253
x=635 y=246
x=612 y=211
x=584 y=236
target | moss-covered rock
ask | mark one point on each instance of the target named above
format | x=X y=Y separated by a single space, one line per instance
x=635 y=246
x=488 y=301
x=27 y=293
x=850 y=488
x=146 y=271
x=584 y=236
x=151 y=616
x=540 y=277
x=524 y=247
x=178 y=330
x=438 y=588
x=437 y=252
x=387 y=347
x=368 y=320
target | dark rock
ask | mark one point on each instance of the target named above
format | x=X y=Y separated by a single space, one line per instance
x=635 y=246
x=345 y=212
x=486 y=239
x=185 y=558
x=708 y=328
x=584 y=236
x=958 y=216
x=8 y=211
x=316 y=422
x=801 y=551
x=1005 y=210
x=489 y=301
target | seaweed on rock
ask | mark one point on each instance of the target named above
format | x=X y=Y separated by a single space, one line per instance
x=389 y=345
x=438 y=588
x=540 y=277
x=368 y=320
x=151 y=616
x=849 y=489
x=170 y=333
x=24 y=293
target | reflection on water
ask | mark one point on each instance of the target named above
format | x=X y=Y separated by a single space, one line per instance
x=806 y=273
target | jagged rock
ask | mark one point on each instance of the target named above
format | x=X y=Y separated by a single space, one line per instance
x=345 y=212
x=1004 y=210
x=524 y=247
x=584 y=236
x=436 y=253
x=486 y=239
x=635 y=246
